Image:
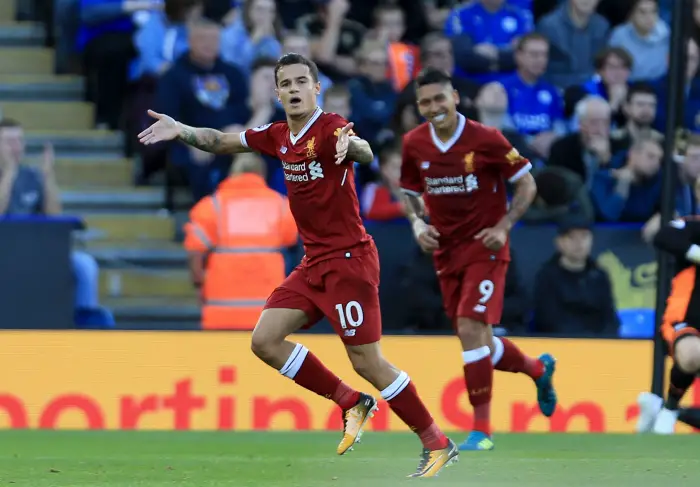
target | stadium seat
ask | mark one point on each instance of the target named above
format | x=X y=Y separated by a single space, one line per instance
x=94 y=319
x=637 y=323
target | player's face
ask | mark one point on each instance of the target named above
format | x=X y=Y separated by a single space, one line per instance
x=296 y=89
x=437 y=103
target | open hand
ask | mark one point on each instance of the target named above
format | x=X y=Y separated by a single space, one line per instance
x=493 y=238
x=343 y=143
x=166 y=128
x=427 y=236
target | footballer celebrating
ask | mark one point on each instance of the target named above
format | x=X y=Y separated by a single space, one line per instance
x=459 y=168
x=339 y=275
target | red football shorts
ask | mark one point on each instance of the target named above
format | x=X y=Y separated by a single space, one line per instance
x=475 y=293
x=345 y=290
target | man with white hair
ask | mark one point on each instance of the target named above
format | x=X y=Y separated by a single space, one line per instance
x=591 y=148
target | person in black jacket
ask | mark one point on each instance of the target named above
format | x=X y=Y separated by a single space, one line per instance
x=573 y=296
x=680 y=325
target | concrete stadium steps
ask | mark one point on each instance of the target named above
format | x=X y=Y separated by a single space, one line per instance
x=21 y=33
x=76 y=143
x=143 y=282
x=124 y=199
x=91 y=172
x=155 y=313
x=164 y=254
x=50 y=115
x=7 y=11
x=26 y=60
x=41 y=87
x=143 y=272
x=129 y=227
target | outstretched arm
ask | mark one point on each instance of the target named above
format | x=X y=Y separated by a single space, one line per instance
x=206 y=139
x=211 y=140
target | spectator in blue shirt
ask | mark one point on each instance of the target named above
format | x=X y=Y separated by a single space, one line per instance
x=691 y=115
x=163 y=38
x=485 y=33
x=255 y=33
x=203 y=91
x=576 y=34
x=613 y=66
x=646 y=37
x=535 y=106
x=630 y=190
x=372 y=94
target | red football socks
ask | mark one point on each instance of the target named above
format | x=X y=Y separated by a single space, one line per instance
x=478 y=374
x=345 y=396
x=405 y=402
x=514 y=360
x=304 y=368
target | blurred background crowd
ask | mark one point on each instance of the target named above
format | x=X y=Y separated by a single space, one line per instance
x=578 y=86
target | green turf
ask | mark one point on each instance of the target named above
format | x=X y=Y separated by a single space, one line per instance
x=44 y=458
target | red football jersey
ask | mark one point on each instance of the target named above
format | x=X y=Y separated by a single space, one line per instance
x=463 y=185
x=321 y=194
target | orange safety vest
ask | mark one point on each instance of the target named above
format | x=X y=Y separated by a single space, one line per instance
x=242 y=229
x=404 y=64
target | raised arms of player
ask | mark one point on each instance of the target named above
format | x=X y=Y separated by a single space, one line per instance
x=680 y=238
x=206 y=139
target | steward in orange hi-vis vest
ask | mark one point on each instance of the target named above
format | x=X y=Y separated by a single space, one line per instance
x=234 y=239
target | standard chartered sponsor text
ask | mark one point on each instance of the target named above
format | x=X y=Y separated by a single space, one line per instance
x=295 y=172
x=445 y=185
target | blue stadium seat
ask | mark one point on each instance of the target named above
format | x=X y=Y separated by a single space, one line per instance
x=94 y=319
x=637 y=323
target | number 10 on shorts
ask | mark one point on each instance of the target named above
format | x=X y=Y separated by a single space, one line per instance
x=350 y=314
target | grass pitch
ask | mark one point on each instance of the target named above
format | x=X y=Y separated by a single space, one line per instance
x=121 y=459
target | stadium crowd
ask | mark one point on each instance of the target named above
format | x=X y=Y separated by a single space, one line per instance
x=578 y=86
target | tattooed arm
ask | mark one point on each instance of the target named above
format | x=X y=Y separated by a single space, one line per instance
x=360 y=151
x=525 y=192
x=210 y=140
x=167 y=128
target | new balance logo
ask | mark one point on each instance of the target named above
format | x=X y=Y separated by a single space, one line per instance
x=348 y=333
x=315 y=170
